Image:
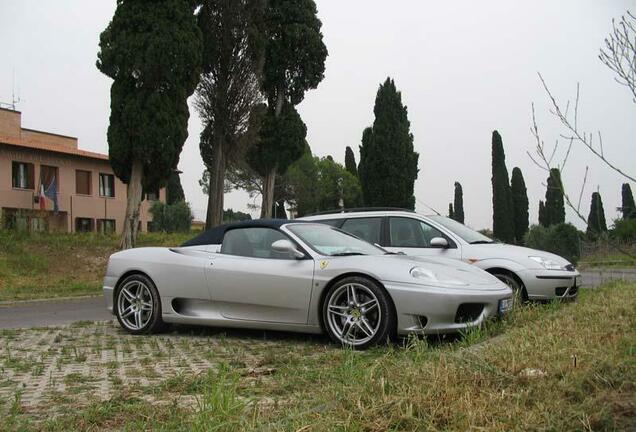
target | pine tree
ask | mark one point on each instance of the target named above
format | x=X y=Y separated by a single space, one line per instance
x=293 y=62
x=596 y=220
x=152 y=51
x=502 y=219
x=388 y=163
x=350 y=161
x=519 y=204
x=228 y=90
x=543 y=215
x=458 y=206
x=451 y=213
x=554 y=203
x=628 y=207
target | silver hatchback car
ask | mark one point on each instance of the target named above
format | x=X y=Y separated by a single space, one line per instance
x=532 y=274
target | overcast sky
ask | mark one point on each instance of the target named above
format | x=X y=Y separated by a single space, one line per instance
x=464 y=68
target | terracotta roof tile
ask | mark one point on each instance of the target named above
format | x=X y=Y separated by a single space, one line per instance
x=52 y=148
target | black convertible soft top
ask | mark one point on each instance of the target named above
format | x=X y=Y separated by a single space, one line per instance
x=215 y=235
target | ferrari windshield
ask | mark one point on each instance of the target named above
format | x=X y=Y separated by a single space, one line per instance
x=331 y=241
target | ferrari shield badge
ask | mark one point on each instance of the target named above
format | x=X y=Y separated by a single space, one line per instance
x=323 y=264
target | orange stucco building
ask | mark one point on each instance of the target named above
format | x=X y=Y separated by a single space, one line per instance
x=89 y=196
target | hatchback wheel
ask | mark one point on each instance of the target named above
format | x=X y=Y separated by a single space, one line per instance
x=519 y=294
x=138 y=306
x=358 y=313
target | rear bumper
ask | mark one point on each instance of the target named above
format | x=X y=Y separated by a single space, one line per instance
x=433 y=310
x=549 y=284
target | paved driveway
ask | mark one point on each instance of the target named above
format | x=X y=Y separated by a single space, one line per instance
x=594 y=277
x=54 y=312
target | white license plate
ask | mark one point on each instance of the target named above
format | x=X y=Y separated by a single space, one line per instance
x=505 y=305
x=577 y=281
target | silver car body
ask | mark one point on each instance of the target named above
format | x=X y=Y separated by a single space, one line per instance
x=200 y=285
x=540 y=282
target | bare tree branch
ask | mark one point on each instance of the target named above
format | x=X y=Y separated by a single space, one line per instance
x=575 y=133
x=619 y=53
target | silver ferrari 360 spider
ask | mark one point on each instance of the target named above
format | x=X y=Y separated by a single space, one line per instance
x=298 y=276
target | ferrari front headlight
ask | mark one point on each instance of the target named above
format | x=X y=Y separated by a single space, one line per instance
x=430 y=278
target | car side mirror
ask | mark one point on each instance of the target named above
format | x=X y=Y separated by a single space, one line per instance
x=285 y=246
x=439 y=242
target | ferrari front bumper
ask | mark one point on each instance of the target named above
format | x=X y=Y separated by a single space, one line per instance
x=435 y=310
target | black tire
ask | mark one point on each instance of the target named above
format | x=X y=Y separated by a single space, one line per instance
x=356 y=319
x=520 y=295
x=151 y=320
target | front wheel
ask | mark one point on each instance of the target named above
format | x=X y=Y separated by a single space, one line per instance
x=138 y=306
x=357 y=312
x=519 y=293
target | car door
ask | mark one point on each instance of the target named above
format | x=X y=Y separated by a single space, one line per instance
x=413 y=236
x=249 y=281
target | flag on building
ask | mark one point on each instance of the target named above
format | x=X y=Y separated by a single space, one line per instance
x=51 y=193
x=41 y=200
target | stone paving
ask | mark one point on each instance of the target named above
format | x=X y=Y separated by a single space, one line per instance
x=51 y=370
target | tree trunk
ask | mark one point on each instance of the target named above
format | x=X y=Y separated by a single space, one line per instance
x=216 y=189
x=131 y=222
x=270 y=178
x=268 y=194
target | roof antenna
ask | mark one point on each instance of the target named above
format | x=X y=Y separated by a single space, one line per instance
x=428 y=207
x=14 y=100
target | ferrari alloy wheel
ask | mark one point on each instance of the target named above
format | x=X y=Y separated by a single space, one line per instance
x=357 y=313
x=137 y=305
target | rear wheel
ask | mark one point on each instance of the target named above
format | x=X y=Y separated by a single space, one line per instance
x=357 y=312
x=138 y=306
x=520 y=296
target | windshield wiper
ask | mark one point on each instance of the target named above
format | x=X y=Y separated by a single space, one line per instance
x=482 y=242
x=347 y=254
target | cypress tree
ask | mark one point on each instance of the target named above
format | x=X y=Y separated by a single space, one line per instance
x=388 y=163
x=519 y=204
x=350 y=161
x=451 y=213
x=543 y=215
x=502 y=218
x=554 y=204
x=628 y=207
x=152 y=52
x=174 y=190
x=596 y=220
x=458 y=207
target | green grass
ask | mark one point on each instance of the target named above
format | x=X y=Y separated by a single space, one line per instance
x=561 y=367
x=47 y=265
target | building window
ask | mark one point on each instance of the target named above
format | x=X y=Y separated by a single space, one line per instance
x=152 y=195
x=22 y=175
x=83 y=225
x=105 y=226
x=106 y=185
x=82 y=182
x=48 y=175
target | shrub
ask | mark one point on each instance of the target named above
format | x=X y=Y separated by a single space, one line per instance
x=170 y=218
x=625 y=230
x=561 y=239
